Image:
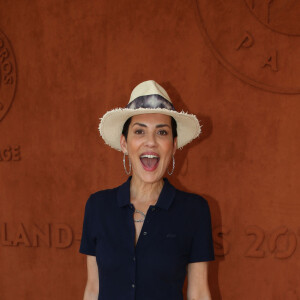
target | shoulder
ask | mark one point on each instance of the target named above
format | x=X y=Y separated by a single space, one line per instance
x=101 y=197
x=192 y=199
x=194 y=210
x=101 y=194
x=194 y=205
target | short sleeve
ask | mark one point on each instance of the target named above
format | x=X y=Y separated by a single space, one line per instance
x=202 y=243
x=88 y=241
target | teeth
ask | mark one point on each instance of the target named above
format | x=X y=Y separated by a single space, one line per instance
x=149 y=156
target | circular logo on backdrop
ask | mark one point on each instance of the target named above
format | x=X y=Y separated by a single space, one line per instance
x=7 y=75
x=280 y=16
x=257 y=41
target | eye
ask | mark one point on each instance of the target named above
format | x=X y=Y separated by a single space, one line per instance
x=138 y=131
x=162 y=132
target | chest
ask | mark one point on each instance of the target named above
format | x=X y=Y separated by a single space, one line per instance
x=161 y=231
x=140 y=213
x=160 y=241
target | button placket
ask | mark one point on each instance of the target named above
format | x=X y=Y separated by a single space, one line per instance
x=150 y=215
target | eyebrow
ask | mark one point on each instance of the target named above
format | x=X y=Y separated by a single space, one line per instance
x=157 y=126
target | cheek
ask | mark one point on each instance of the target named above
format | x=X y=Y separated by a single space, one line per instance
x=168 y=147
x=133 y=145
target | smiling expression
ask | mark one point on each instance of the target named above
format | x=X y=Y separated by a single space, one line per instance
x=150 y=145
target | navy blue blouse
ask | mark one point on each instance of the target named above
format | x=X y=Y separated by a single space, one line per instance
x=176 y=231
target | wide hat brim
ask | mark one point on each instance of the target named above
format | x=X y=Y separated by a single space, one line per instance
x=111 y=124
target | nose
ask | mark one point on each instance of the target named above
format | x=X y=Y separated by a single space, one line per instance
x=151 y=140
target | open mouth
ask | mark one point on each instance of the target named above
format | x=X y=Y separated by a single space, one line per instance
x=149 y=161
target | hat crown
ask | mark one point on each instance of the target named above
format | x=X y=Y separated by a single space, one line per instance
x=149 y=87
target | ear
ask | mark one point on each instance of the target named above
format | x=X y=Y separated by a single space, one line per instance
x=175 y=145
x=123 y=144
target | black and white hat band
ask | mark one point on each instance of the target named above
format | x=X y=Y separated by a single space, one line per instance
x=150 y=101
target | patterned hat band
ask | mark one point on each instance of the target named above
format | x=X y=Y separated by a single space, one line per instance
x=150 y=101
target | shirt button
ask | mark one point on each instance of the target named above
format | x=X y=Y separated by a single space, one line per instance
x=133 y=285
x=134 y=258
x=145 y=233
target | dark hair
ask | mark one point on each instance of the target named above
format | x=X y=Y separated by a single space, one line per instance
x=127 y=123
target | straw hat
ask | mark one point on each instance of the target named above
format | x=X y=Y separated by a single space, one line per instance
x=141 y=102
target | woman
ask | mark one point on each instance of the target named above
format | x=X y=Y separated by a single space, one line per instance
x=142 y=237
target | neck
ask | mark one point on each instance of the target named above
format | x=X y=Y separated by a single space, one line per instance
x=145 y=192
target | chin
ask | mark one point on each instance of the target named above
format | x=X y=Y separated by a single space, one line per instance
x=149 y=177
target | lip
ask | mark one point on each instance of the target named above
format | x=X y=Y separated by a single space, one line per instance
x=146 y=168
x=149 y=153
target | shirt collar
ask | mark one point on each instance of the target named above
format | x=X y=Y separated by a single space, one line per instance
x=164 y=201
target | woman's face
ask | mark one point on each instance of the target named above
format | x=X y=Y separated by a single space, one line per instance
x=150 y=146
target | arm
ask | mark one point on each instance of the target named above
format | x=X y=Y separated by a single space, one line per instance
x=198 y=288
x=92 y=286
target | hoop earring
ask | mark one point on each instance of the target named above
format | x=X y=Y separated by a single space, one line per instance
x=170 y=173
x=124 y=164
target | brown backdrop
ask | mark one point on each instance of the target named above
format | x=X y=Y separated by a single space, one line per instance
x=233 y=63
